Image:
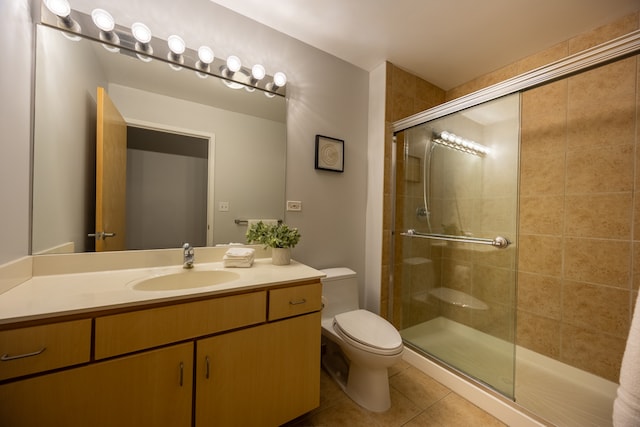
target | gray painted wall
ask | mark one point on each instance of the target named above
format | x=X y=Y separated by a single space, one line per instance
x=16 y=36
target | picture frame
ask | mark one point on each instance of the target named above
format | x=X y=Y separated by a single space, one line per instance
x=329 y=154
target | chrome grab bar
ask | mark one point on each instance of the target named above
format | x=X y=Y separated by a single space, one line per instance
x=499 y=242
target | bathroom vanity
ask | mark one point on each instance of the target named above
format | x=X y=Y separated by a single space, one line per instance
x=244 y=353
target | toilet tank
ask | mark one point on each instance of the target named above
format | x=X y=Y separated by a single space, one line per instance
x=339 y=291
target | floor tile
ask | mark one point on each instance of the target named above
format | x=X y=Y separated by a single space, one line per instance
x=417 y=400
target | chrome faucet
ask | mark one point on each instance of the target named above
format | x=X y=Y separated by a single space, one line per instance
x=189 y=256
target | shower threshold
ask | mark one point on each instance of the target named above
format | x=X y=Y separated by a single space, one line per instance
x=554 y=391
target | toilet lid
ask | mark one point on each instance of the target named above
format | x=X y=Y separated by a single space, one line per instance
x=369 y=329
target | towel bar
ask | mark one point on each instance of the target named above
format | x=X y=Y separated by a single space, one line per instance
x=245 y=222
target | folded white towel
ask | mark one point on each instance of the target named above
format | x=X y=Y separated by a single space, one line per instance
x=240 y=253
x=239 y=257
x=235 y=263
x=626 y=407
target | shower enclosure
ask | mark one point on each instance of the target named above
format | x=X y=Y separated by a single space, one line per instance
x=503 y=203
x=456 y=208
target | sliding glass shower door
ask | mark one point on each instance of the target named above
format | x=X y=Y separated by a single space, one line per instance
x=455 y=240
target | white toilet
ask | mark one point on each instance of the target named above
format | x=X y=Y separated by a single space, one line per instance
x=370 y=343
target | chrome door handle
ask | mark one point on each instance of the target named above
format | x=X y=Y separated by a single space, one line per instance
x=101 y=235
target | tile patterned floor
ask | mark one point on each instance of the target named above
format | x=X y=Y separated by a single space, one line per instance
x=416 y=401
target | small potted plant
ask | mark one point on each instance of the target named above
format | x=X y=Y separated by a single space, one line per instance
x=279 y=237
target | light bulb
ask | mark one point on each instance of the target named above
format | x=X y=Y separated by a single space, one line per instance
x=60 y=8
x=233 y=63
x=279 y=79
x=258 y=72
x=103 y=20
x=176 y=44
x=205 y=54
x=141 y=32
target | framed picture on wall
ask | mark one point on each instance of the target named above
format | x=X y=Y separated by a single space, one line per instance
x=329 y=154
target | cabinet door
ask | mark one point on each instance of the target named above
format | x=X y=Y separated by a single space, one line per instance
x=261 y=376
x=148 y=389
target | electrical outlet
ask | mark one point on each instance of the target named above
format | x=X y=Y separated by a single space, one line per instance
x=294 y=205
x=223 y=206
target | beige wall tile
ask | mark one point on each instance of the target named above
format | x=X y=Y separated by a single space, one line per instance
x=402 y=106
x=540 y=295
x=428 y=93
x=598 y=261
x=599 y=354
x=539 y=334
x=494 y=285
x=497 y=321
x=540 y=254
x=554 y=53
x=608 y=123
x=497 y=215
x=636 y=266
x=545 y=106
x=601 y=169
x=542 y=173
x=607 y=32
x=616 y=80
x=543 y=138
x=402 y=81
x=605 y=215
x=596 y=308
x=542 y=215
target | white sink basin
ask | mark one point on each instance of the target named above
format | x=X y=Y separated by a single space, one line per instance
x=185 y=279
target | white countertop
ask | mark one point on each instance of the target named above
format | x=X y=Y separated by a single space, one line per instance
x=55 y=295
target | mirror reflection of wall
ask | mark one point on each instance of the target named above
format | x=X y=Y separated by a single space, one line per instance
x=167 y=179
x=250 y=142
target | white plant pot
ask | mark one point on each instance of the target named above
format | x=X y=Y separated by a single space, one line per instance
x=281 y=256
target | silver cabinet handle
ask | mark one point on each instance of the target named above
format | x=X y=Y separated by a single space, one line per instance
x=6 y=357
x=181 y=373
x=206 y=369
x=298 y=302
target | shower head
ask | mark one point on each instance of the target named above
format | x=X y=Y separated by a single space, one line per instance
x=456 y=142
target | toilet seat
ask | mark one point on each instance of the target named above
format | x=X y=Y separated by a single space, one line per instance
x=369 y=332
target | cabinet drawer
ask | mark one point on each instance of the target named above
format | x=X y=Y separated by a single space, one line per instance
x=138 y=330
x=40 y=348
x=287 y=302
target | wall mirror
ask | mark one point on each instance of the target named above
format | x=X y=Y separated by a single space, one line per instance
x=205 y=148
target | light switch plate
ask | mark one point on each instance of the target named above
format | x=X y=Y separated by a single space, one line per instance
x=294 y=205
x=223 y=206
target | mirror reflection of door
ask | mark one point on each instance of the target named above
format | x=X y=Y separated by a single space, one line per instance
x=111 y=175
x=167 y=189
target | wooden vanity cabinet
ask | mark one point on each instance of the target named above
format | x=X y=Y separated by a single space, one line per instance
x=153 y=388
x=261 y=376
x=41 y=348
x=256 y=357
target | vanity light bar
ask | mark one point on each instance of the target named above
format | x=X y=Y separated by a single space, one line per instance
x=139 y=41
x=459 y=143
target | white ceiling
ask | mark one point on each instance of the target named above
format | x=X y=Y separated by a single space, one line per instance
x=446 y=42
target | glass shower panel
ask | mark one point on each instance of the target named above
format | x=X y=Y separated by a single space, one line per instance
x=456 y=222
